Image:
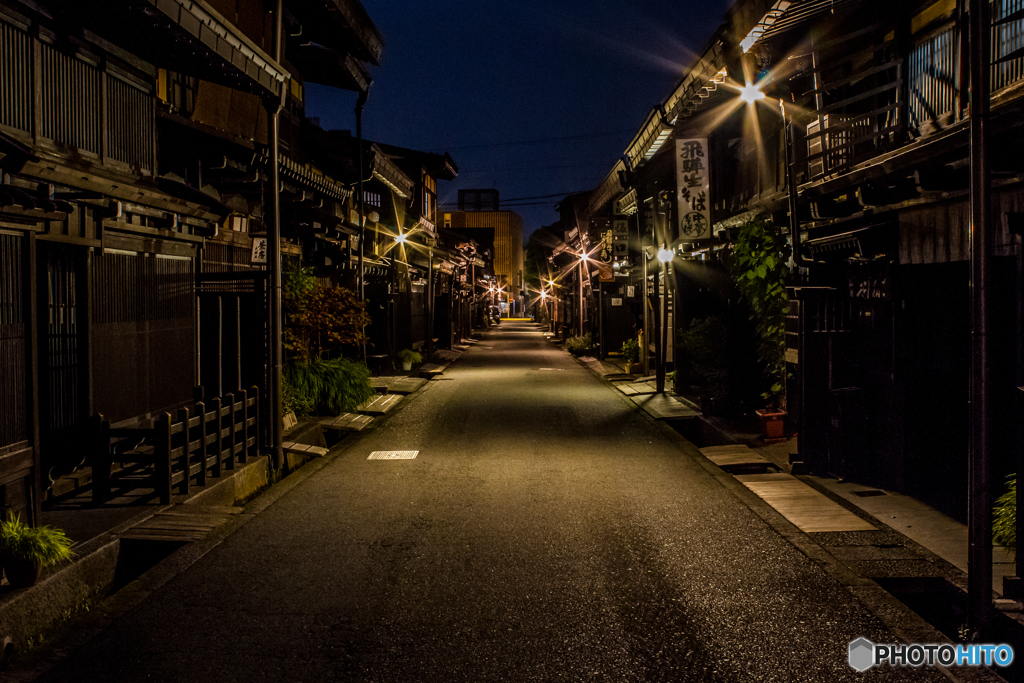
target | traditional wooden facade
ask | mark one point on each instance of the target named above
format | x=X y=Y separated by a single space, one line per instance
x=501 y=234
x=134 y=157
x=878 y=153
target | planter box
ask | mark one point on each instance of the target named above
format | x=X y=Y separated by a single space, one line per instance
x=773 y=424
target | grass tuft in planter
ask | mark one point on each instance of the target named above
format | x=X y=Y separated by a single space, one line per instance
x=26 y=550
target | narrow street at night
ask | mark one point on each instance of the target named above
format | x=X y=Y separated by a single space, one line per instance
x=546 y=530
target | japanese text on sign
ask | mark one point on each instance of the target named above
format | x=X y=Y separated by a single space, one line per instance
x=259 y=250
x=693 y=187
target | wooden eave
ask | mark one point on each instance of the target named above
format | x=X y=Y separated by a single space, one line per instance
x=340 y=24
x=324 y=66
x=610 y=188
x=187 y=36
x=51 y=171
x=388 y=172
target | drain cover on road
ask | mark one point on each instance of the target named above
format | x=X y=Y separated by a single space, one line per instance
x=393 y=455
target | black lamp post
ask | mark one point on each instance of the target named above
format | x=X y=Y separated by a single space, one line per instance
x=664 y=258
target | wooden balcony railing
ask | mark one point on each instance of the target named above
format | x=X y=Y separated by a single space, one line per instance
x=84 y=104
x=866 y=121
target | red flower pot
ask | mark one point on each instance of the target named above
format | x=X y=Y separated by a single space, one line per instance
x=773 y=424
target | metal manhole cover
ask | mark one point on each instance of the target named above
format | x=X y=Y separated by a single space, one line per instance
x=393 y=455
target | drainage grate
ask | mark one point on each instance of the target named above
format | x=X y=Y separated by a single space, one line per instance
x=393 y=455
x=867 y=493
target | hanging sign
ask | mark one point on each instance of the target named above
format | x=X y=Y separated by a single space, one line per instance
x=693 y=189
x=259 y=250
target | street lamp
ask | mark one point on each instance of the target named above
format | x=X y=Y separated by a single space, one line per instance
x=751 y=94
x=584 y=259
x=665 y=256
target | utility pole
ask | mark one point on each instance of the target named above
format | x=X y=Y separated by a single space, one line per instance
x=979 y=575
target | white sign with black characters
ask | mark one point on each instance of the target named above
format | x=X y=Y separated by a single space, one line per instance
x=259 y=250
x=693 y=188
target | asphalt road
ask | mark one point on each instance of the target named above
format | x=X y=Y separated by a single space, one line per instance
x=547 y=531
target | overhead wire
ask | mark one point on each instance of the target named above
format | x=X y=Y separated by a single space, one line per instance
x=536 y=141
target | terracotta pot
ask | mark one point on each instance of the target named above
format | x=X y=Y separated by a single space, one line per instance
x=21 y=573
x=773 y=424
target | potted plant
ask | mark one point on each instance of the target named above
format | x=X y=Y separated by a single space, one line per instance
x=26 y=550
x=409 y=357
x=578 y=345
x=630 y=354
x=760 y=255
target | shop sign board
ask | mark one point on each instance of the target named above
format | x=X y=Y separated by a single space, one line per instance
x=693 y=189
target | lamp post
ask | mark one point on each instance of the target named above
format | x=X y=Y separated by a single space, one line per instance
x=584 y=259
x=664 y=257
x=751 y=94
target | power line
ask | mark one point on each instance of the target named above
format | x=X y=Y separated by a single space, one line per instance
x=533 y=168
x=519 y=199
x=537 y=141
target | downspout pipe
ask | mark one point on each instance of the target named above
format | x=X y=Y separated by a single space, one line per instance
x=361 y=199
x=274 y=257
x=789 y=135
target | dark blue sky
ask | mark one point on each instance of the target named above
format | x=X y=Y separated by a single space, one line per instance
x=489 y=81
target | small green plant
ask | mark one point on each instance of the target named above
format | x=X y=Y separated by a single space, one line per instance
x=335 y=386
x=294 y=402
x=631 y=351
x=760 y=255
x=1004 y=522
x=578 y=345
x=410 y=356
x=43 y=546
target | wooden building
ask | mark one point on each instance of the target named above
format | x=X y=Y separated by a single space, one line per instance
x=135 y=152
x=879 y=331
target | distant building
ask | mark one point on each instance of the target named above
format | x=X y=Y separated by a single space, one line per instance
x=499 y=231
x=478 y=200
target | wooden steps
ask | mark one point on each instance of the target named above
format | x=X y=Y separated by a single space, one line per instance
x=806 y=508
x=347 y=422
x=182 y=523
x=292 y=447
x=381 y=404
x=736 y=458
x=663 y=407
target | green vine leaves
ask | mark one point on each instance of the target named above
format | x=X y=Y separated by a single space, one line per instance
x=760 y=255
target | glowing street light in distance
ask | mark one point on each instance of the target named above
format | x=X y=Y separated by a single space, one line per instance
x=665 y=255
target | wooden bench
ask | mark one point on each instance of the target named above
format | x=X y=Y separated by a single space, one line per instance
x=192 y=446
